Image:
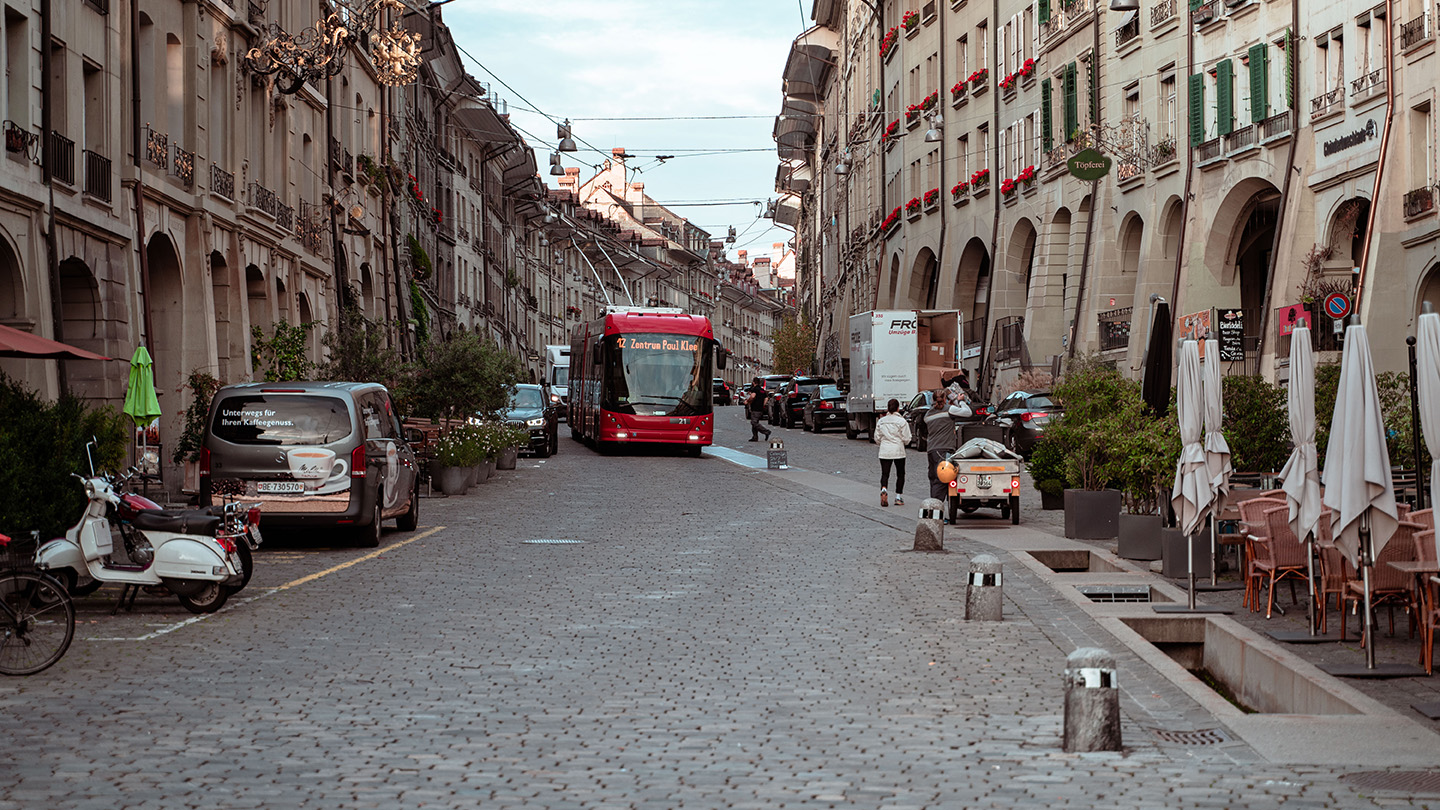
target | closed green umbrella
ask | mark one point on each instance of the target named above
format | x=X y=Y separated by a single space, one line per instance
x=140 y=401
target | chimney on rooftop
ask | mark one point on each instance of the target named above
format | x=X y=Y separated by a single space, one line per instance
x=618 y=152
x=638 y=186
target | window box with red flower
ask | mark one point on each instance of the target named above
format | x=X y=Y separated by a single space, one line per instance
x=912 y=116
x=912 y=208
x=1027 y=73
x=911 y=21
x=1008 y=83
x=889 y=41
x=932 y=199
x=980 y=182
x=960 y=192
x=891 y=131
x=957 y=92
x=1026 y=178
x=891 y=221
x=1008 y=186
x=930 y=101
x=977 y=81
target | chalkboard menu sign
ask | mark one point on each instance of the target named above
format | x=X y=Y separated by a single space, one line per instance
x=1231 y=327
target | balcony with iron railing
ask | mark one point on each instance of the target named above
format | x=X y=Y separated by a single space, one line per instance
x=1064 y=16
x=310 y=227
x=1128 y=32
x=1415 y=32
x=1367 y=86
x=222 y=183
x=1275 y=126
x=1240 y=139
x=1209 y=150
x=1161 y=13
x=97 y=175
x=1419 y=202
x=264 y=200
x=1327 y=104
x=157 y=148
x=1115 y=329
x=60 y=157
x=183 y=167
x=20 y=141
x=284 y=216
x=1205 y=13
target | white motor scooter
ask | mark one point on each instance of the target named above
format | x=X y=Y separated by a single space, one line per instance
x=198 y=567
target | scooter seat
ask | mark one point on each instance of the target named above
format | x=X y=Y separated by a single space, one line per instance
x=180 y=522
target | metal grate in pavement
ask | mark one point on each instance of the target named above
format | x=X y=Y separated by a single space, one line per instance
x=550 y=541
x=1115 y=593
x=1402 y=781
x=1205 y=736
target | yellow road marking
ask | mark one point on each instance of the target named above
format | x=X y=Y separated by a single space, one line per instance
x=372 y=555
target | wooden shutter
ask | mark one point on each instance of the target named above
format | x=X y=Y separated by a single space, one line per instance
x=1044 y=11
x=1194 y=4
x=1224 y=97
x=1072 y=103
x=1047 y=140
x=1289 y=70
x=1094 y=92
x=1259 y=83
x=1197 y=109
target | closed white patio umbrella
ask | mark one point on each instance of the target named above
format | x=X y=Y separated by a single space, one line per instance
x=1427 y=381
x=1301 y=474
x=1217 y=450
x=1193 y=493
x=1358 y=484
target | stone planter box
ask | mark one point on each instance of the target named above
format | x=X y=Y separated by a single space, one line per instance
x=506 y=459
x=1092 y=514
x=1172 y=561
x=451 y=480
x=1139 y=537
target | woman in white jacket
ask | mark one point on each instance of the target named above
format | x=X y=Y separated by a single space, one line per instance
x=892 y=433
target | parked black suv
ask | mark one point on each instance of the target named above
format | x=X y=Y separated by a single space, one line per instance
x=531 y=409
x=1025 y=416
x=825 y=407
x=787 y=406
x=720 y=392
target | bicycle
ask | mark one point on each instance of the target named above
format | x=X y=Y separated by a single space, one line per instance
x=37 y=616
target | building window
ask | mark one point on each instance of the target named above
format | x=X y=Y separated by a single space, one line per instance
x=1168 y=106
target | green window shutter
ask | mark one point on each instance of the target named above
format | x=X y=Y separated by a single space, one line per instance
x=1194 y=4
x=1072 y=103
x=1047 y=140
x=1044 y=11
x=1197 y=109
x=1094 y=92
x=1224 y=97
x=1259 y=84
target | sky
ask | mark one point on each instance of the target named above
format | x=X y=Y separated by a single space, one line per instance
x=707 y=73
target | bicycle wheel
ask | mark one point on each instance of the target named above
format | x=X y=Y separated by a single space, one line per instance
x=37 y=622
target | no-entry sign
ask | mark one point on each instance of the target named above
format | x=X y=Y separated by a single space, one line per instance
x=1337 y=305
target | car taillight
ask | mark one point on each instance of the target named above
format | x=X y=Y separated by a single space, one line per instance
x=204 y=462
x=1026 y=417
x=793 y=394
x=827 y=406
x=357 y=462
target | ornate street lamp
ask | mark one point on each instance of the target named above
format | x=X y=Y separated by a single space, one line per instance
x=318 y=52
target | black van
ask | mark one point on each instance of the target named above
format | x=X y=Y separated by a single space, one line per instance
x=314 y=454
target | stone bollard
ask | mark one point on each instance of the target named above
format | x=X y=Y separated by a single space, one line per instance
x=930 y=530
x=984 y=592
x=1092 y=702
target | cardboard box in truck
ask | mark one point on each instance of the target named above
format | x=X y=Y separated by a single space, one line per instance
x=888 y=350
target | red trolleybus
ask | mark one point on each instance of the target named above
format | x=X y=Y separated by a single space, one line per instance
x=642 y=376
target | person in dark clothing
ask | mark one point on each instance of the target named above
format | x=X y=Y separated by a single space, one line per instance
x=941 y=438
x=755 y=407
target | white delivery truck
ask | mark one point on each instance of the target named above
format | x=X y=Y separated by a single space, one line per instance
x=557 y=377
x=895 y=354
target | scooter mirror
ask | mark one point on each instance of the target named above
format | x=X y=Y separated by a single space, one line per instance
x=90 y=456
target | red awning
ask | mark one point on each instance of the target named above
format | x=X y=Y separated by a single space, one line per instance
x=15 y=343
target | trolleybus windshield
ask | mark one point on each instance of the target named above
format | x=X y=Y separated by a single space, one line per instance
x=657 y=375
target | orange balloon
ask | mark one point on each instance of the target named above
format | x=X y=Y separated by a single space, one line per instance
x=945 y=471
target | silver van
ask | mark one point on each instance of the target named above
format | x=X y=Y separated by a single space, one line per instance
x=314 y=454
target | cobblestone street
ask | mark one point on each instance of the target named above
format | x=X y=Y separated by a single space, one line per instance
x=620 y=632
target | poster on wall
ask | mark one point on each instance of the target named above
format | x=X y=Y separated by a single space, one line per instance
x=1195 y=326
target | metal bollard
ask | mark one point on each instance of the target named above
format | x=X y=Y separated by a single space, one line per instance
x=984 y=591
x=930 y=531
x=1092 y=701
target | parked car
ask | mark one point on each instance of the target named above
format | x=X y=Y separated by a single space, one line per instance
x=720 y=392
x=824 y=408
x=914 y=413
x=313 y=454
x=531 y=408
x=787 y=406
x=770 y=383
x=1025 y=416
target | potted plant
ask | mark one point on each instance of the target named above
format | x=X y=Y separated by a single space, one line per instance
x=1150 y=451
x=1047 y=469
x=510 y=440
x=457 y=454
x=1097 y=401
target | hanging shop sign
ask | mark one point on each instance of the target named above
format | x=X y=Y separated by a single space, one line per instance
x=1088 y=164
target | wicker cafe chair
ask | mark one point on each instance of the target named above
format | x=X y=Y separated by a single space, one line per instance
x=1284 y=555
x=1335 y=570
x=1253 y=526
x=1425 y=517
x=1429 y=596
x=1388 y=586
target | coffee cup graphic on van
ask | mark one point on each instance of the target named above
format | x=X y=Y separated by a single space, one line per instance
x=311 y=463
